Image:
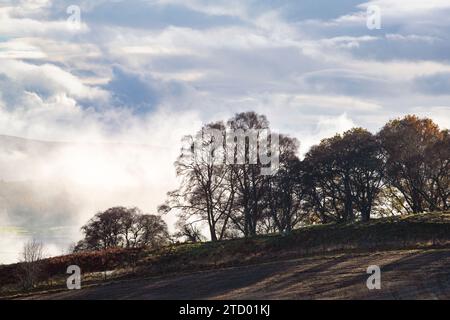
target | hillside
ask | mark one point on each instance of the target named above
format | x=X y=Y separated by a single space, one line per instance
x=405 y=274
x=390 y=238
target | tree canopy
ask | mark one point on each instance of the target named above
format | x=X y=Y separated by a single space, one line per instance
x=123 y=227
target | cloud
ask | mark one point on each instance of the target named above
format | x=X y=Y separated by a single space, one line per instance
x=29 y=19
x=17 y=49
x=326 y=127
x=47 y=80
x=435 y=84
x=150 y=15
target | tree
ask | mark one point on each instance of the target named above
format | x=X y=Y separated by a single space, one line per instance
x=323 y=183
x=123 y=227
x=417 y=163
x=149 y=231
x=362 y=153
x=32 y=255
x=248 y=182
x=206 y=190
x=344 y=176
x=285 y=192
x=438 y=163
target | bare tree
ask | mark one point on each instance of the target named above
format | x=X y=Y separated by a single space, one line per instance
x=206 y=191
x=32 y=255
x=249 y=184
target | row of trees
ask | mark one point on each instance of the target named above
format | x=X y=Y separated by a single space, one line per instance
x=404 y=168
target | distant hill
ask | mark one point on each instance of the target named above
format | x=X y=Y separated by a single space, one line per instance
x=11 y=143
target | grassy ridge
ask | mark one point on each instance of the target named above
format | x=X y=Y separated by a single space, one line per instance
x=423 y=230
x=415 y=231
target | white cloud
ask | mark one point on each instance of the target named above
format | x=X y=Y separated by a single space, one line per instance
x=326 y=127
x=399 y=7
x=411 y=37
x=395 y=12
x=21 y=23
x=50 y=79
x=17 y=49
x=217 y=8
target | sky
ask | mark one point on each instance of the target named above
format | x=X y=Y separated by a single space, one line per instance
x=122 y=84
